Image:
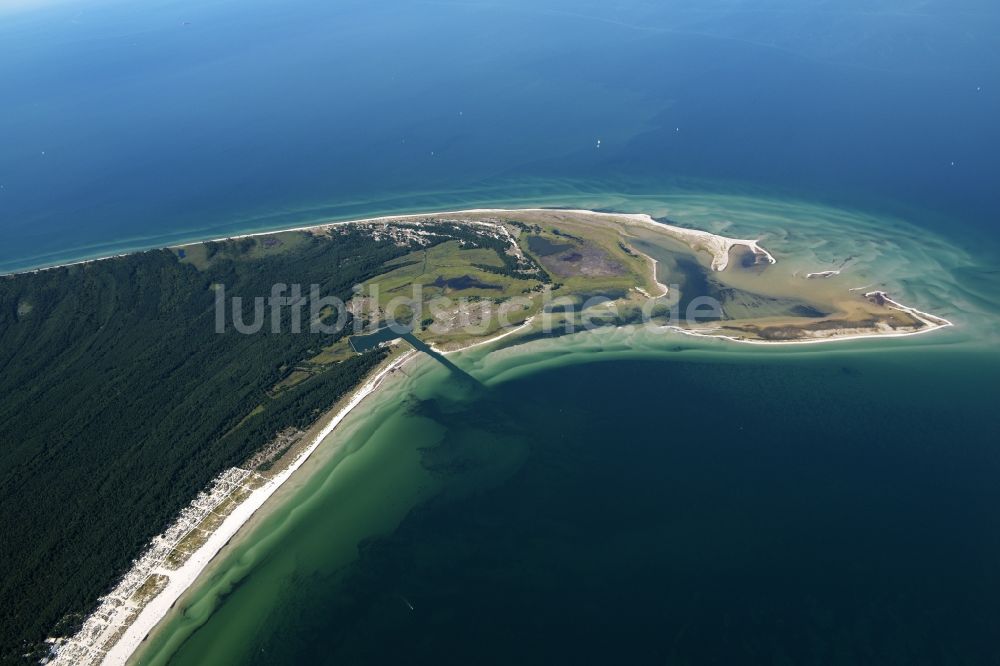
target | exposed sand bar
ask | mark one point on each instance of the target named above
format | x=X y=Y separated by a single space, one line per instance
x=840 y=336
x=930 y=323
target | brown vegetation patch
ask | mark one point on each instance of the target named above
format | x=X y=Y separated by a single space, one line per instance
x=582 y=258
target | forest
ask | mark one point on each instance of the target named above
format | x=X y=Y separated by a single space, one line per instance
x=119 y=401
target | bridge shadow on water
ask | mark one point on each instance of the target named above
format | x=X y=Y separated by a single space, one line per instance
x=463 y=378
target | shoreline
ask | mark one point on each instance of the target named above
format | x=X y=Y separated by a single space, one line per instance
x=183 y=578
x=520 y=327
x=932 y=323
x=808 y=341
x=717 y=245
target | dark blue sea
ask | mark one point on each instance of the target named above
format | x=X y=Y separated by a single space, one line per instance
x=126 y=126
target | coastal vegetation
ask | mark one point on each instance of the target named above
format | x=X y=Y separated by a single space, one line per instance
x=121 y=401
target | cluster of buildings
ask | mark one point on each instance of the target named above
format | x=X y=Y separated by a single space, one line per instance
x=146 y=578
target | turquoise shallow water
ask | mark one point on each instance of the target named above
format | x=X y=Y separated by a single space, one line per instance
x=641 y=495
x=628 y=497
x=631 y=494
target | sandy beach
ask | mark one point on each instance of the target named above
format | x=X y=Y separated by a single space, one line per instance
x=185 y=576
x=182 y=578
x=931 y=323
x=718 y=247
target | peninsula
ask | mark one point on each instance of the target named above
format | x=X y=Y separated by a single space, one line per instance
x=450 y=281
